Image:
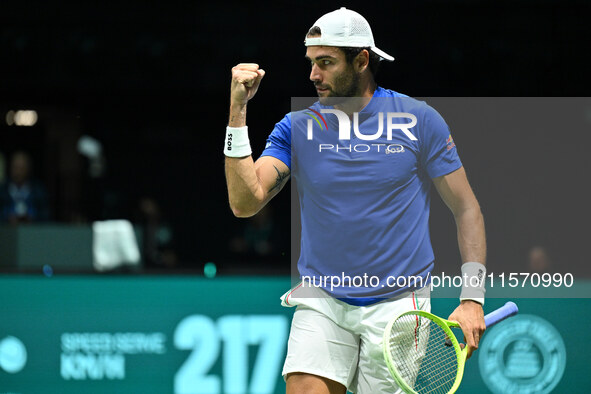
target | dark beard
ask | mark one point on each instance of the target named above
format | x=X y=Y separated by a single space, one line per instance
x=345 y=87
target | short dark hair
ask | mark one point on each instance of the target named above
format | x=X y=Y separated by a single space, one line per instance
x=374 y=59
x=352 y=52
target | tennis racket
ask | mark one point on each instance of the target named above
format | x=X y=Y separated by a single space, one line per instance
x=423 y=354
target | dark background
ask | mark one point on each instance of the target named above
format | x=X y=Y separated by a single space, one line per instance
x=150 y=81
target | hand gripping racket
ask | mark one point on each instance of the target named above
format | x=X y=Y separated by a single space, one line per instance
x=422 y=353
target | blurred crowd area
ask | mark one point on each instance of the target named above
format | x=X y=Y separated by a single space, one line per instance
x=130 y=105
x=71 y=178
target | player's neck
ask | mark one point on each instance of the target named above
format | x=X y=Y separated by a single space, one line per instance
x=367 y=88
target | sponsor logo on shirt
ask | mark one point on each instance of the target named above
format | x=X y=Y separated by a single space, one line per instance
x=450 y=142
x=394 y=148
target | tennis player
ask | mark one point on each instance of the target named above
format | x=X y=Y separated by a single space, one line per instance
x=363 y=210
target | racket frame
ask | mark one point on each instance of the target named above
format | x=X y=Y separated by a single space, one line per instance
x=446 y=326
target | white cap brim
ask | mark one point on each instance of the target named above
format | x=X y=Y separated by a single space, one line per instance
x=382 y=54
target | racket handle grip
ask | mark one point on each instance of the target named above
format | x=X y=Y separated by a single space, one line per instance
x=507 y=310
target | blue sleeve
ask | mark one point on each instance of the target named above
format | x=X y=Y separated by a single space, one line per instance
x=439 y=155
x=279 y=142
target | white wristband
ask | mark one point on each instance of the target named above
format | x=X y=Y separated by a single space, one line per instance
x=237 y=143
x=473 y=278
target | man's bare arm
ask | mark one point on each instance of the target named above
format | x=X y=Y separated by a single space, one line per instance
x=457 y=194
x=250 y=185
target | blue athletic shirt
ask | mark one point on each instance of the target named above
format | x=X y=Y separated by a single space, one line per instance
x=365 y=203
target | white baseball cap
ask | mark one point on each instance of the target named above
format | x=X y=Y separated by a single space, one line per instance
x=345 y=28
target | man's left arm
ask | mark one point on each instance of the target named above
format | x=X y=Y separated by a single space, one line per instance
x=457 y=194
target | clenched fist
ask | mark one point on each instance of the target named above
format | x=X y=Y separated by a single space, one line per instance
x=246 y=78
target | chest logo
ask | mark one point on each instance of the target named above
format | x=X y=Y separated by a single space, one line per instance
x=394 y=148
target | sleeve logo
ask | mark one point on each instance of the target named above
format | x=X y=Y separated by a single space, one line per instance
x=450 y=143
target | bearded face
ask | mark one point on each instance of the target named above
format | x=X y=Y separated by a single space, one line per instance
x=334 y=78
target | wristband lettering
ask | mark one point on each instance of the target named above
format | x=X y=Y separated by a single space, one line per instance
x=237 y=143
x=473 y=280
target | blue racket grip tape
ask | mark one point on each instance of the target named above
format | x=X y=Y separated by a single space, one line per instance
x=507 y=310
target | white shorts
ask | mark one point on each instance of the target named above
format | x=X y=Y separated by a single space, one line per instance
x=343 y=342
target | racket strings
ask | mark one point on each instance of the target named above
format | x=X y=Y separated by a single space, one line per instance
x=421 y=354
